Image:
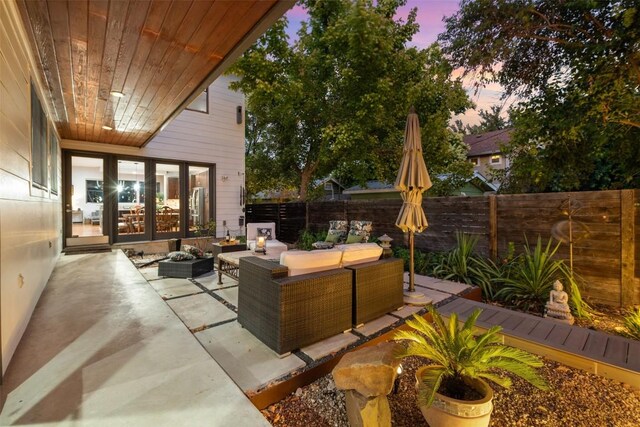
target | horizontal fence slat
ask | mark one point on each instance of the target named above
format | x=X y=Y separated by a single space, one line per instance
x=520 y=218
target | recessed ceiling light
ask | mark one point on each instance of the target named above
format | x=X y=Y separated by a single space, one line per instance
x=105 y=127
x=117 y=94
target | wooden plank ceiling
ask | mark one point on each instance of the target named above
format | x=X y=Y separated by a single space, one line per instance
x=158 y=54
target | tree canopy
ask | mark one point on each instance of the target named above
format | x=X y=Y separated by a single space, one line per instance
x=336 y=100
x=490 y=120
x=577 y=65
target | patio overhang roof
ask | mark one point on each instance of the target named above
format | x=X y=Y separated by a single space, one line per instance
x=160 y=55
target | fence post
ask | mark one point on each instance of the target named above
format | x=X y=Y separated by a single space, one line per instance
x=493 y=227
x=627 y=256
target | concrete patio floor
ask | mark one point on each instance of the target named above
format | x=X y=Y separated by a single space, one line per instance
x=104 y=349
x=209 y=310
x=112 y=345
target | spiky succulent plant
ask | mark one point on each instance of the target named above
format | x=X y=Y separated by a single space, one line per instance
x=459 y=355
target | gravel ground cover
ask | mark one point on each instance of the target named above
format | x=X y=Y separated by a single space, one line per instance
x=576 y=398
x=606 y=319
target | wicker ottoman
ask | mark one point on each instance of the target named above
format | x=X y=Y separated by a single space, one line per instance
x=184 y=269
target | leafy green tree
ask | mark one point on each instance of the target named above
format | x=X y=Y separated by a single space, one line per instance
x=490 y=120
x=577 y=65
x=337 y=99
x=541 y=44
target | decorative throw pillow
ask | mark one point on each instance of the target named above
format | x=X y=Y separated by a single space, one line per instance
x=339 y=227
x=266 y=232
x=334 y=236
x=193 y=250
x=180 y=256
x=354 y=238
x=361 y=228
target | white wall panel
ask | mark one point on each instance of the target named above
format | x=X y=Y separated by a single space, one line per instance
x=30 y=221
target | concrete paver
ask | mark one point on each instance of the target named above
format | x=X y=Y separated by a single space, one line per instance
x=230 y=295
x=172 y=288
x=250 y=363
x=377 y=325
x=200 y=310
x=210 y=281
x=330 y=345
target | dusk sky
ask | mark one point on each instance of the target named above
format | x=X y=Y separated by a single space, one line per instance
x=430 y=14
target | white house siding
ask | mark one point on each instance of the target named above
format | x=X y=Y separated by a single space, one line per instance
x=192 y=136
x=30 y=219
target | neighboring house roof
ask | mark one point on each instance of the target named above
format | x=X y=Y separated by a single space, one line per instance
x=481 y=182
x=322 y=181
x=487 y=143
x=384 y=187
x=371 y=187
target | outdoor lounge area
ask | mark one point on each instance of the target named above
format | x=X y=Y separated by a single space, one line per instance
x=343 y=213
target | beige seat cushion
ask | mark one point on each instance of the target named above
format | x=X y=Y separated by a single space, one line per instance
x=357 y=253
x=303 y=262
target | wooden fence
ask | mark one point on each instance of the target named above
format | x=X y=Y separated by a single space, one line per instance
x=604 y=226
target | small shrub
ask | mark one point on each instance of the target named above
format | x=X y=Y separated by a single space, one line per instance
x=532 y=276
x=632 y=323
x=456 y=263
x=308 y=238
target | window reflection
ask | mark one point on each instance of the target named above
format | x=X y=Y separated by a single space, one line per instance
x=167 y=198
x=198 y=197
x=131 y=201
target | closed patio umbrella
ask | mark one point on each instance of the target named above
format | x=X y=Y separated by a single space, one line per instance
x=412 y=180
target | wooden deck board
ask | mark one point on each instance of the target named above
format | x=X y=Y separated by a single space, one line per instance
x=559 y=334
x=576 y=341
x=616 y=350
x=512 y=322
x=541 y=331
x=633 y=356
x=596 y=345
x=452 y=306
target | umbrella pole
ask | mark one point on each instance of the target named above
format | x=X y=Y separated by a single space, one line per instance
x=412 y=287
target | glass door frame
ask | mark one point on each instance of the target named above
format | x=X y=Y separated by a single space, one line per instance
x=149 y=195
x=212 y=194
x=184 y=197
x=67 y=196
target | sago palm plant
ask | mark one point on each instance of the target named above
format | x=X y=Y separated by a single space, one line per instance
x=460 y=356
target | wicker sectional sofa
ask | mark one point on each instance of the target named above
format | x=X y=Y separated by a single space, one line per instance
x=287 y=311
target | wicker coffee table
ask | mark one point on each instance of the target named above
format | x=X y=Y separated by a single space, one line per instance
x=229 y=263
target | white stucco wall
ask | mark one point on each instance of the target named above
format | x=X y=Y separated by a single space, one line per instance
x=30 y=219
x=193 y=136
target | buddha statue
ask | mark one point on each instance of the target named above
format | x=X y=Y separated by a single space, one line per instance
x=558 y=305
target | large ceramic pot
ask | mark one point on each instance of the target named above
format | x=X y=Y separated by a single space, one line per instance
x=449 y=412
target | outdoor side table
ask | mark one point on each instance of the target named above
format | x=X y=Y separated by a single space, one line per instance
x=221 y=248
x=229 y=263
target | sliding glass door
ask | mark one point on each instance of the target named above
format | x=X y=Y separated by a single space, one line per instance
x=168 y=203
x=131 y=200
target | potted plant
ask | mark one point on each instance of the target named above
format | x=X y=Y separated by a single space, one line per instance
x=452 y=392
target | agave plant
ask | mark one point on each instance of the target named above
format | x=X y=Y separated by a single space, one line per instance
x=632 y=323
x=533 y=279
x=460 y=356
x=456 y=265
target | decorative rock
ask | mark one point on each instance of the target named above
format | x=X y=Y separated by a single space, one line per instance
x=370 y=371
x=365 y=411
x=558 y=305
